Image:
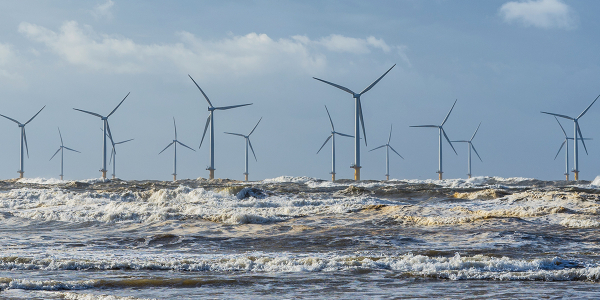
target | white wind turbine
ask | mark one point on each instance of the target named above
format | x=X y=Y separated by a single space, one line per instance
x=358 y=120
x=248 y=143
x=332 y=137
x=577 y=132
x=62 y=153
x=174 y=144
x=565 y=143
x=106 y=132
x=441 y=132
x=23 y=140
x=113 y=156
x=210 y=120
x=387 y=155
x=470 y=146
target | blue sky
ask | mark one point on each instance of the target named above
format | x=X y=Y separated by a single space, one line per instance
x=504 y=61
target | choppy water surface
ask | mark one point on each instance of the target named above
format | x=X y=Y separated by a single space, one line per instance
x=299 y=237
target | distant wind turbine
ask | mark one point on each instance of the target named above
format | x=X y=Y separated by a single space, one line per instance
x=106 y=132
x=441 y=132
x=23 y=140
x=470 y=146
x=358 y=120
x=211 y=121
x=387 y=155
x=565 y=143
x=174 y=143
x=113 y=156
x=332 y=137
x=577 y=133
x=248 y=143
x=62 y=154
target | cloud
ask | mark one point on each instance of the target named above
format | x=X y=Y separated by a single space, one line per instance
x=539 y=13
x=240 y=55
x=8 y=60
x=103 y=10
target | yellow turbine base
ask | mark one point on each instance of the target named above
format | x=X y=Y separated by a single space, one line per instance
x=576 y=175
x=211 y=174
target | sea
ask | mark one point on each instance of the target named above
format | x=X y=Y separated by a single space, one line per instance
x=300 y=238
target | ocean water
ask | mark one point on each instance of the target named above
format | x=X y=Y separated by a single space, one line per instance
x=299 y=237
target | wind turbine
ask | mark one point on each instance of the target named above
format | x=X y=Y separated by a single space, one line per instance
x=174 y=143
x=62 y=153
x=106 y=132
x=211 y=121
x=577 y=131
x=113 y=155
x=358 y=120
x=566 y=149
x=248 y=143
x=441 y=132
x=387 y=155
x=23 y=139
x=332 y=137
x=470 y=146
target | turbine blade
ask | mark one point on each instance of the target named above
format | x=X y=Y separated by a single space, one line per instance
x=582 y=141
x=230 y=107
x=88 y=112
x=12 y=119
x=182 y=144
x=460 y=141
x=562 y=116
x=250 y=143
x=25 y=137
x=71 y=149
x=475 y=132
x=362 y=121
x=59 y=134
x=163 y=150
x=336 y=85
x=583 y=113
x=205 y=128
x=390 y=138
x=327 y=140
x=201 y=91
x=377 y=148
x=122 y=142
x=109 y=133
x=396 y=152
x=561 y=127
x=55 y=154
x=376 y=81
x=235 y=134
x=561 y=146
x=449 y=142
x=255 y=126
x=476 y=152
x=346 y=135
x=113 y=111
x=113 y=152
x=175 y=126
x=428 y=126
x=330 y=121
x=35 y=115
x=445 y=119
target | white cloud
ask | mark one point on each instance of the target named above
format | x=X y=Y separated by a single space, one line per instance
x=103 y=10
x=539 y=13
x=241 y=55
x=8 y=60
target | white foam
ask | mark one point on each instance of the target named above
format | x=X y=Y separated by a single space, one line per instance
x=41 y=180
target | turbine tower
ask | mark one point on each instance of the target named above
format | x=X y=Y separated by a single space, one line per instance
x=113 y=156
x=387 y=155
x=565 y=142
x=577 y=132
x=23 y=140
x=441 y=132
x=106 y=130
x=248 y=143
x=211 y=121
x=470 y=146
x=358 y=120
x=62 y=153
x=174 y=143
x=332 y=137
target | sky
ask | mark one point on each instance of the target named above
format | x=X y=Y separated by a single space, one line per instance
x=503 y=61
